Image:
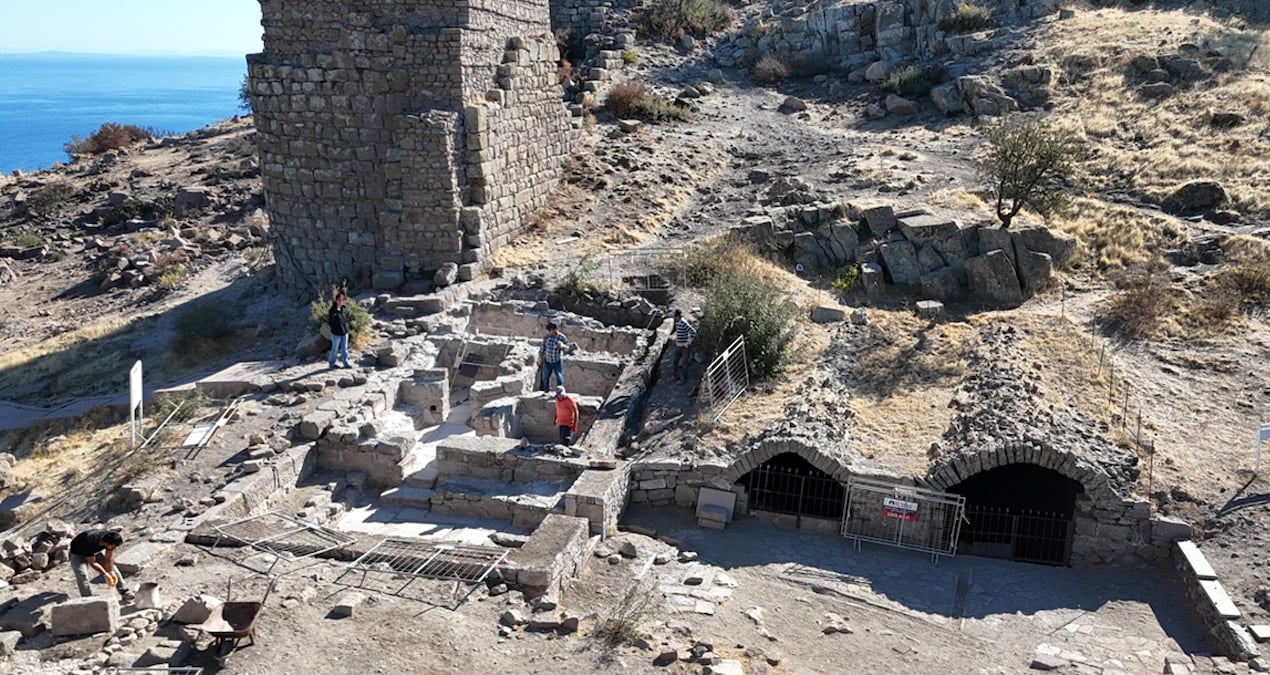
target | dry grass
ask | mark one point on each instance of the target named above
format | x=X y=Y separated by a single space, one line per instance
x=906 y=380
x=1113 y=237
x=1150 y=147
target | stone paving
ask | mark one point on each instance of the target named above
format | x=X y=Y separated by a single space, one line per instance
x=1114 y=619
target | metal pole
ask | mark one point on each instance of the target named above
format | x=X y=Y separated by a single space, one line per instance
x=1151 y=471
x=1124 y=410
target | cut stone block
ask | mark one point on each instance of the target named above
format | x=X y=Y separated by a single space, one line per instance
x=132 y=558
x=9 y=642
x=930 y=309
x=197 y=609
x=85 y=616
x=1260 y=632
x=346 y=604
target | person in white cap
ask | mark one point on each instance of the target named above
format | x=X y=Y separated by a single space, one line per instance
x=566 y=416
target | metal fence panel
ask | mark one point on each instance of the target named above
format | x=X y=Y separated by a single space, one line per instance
x=788 y=490
x=903 y=516
x=726 y=378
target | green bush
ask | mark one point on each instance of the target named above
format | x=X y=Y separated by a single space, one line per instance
x=110 y=136
x=967 y=18
x=739 y=302
x=29 y=240
x=629 y=57
x=672 y=19
x=244 y=94
x=1026 y=162
x=578 y=283
x=359 y=319
x=848 y=281
x=910 y=80
x=632 y=99
x=45 y=201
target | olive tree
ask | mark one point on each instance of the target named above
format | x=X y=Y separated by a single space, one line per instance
x=1028 y=163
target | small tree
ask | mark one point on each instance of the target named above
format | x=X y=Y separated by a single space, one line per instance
x=1026 y=162
x=244 y=94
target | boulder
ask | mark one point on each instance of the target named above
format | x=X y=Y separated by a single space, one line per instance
x=826 y=314
x=9 y=642
x=873 y=279
x=947 y=97
x=898 y=105
x=446 y=275
x=1057 y=245
x=940 y=284
x=928 y=259
x=993 y=280
x=922 y=228
x=1035 y=270
x=879 y=219
x=191 y=197
x=900 y=259
x=877 y=71
x=793 y=104
x=996 y=239
x=1197 y=195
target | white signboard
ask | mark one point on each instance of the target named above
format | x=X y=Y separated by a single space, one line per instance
x=1263 y=435
x=893 y=507
x=135 y=395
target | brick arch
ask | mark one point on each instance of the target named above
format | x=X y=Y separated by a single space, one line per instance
x=766 y=450
x=956 y=469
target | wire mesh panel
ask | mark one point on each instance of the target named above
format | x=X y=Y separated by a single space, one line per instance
x=903 y=516
x=726 y=378
x=392 y=560
x=284 y=537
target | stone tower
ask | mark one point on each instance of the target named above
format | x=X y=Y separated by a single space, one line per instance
x=399 y=135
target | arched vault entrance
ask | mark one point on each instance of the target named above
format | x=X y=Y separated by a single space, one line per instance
x=1022 y=512
x=787 y=483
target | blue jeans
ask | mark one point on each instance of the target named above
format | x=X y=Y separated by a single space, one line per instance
x=339 y=344
x=549 y=367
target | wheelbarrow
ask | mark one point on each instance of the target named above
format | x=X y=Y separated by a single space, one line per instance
x=233 y=622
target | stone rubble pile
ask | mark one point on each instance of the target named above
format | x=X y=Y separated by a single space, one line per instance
x=23 y=559
x=1001 y=405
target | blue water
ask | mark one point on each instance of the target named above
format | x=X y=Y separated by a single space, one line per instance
x=45 y=99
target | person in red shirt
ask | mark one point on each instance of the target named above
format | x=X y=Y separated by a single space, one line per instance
x=566 y=416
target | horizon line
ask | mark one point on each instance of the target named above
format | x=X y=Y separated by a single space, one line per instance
x=64 y=52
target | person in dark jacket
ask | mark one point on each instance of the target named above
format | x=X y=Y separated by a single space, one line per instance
x=337 y=318
x=94 y=550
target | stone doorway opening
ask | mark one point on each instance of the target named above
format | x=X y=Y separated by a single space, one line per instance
x=789 y=484
x=1022 y=512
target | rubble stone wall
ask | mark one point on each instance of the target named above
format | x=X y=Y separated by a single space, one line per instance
x=396 y=136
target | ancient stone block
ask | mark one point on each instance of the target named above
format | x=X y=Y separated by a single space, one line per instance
x=993 y=281
x=84 y=616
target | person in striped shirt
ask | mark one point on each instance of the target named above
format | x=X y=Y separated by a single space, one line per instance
x=684 y=334
x=551 y=356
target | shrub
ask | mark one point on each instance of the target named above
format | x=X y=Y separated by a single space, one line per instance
x=966 y=18
x=1026 y=162
x=769 y=70
x=848 y=281
x=1250 y=280
x=358 y=318
x=183 y=405
x=579 y=282
x=620 y=100
x=622 y=624
x=1141 y=307
x=244 y=94
x=740 y=302
x=629 y=57
x=200 y=327
x=632 y=99
x=173 y=277
x=29 y=240
x=672 y=19
x=110 y=136
x=696 y=265
x=45 y=201
x=807 y=66
x=912 y=80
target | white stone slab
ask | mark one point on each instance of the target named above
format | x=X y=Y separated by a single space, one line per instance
x=1261 y=632
x=1195 y=558
x=710 y=497
x=1221 y=600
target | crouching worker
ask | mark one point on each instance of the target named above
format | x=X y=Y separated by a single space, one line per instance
x=94 y=551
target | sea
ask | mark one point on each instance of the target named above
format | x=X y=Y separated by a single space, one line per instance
x=48 y=98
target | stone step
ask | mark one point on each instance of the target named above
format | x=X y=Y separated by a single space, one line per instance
x=425 y=477
x=419 y=498
x=525 y=505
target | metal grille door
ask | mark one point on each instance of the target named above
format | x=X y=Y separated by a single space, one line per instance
x=1025 y=535
x=806 y=492
x=903 y=516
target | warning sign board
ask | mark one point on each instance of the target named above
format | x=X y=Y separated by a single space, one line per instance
x=893 y=507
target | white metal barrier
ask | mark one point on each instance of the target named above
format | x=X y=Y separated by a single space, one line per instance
x=726 y=378
x=903 y=516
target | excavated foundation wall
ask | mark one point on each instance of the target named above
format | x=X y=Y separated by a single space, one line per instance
x=398 y=135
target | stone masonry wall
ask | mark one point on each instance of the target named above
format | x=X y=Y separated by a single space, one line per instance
x=395 y=136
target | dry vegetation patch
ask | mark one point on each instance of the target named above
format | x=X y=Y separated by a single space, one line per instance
x=1113 y=237
x=1150 y=145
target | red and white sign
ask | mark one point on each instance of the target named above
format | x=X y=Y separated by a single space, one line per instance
x=893 y=507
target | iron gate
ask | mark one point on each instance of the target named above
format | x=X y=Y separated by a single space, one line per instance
x=1025 y=535
x=805 y=492
x=903 y=516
